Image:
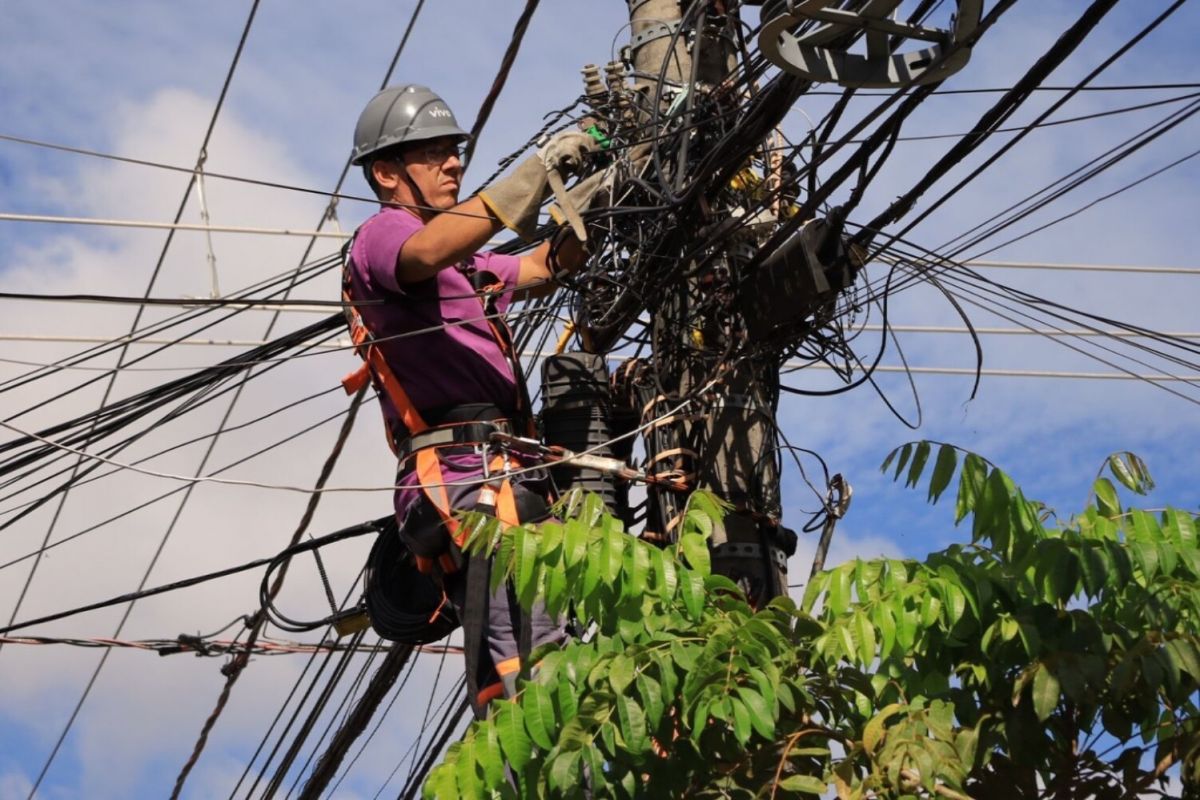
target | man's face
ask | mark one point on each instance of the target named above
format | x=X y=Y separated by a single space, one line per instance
x=435 y=167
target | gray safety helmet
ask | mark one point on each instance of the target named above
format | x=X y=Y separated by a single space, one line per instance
x=399 y=114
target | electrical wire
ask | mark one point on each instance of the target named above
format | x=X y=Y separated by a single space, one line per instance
x=131 y=597
x=137 y=318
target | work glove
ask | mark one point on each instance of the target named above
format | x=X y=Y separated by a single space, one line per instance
x=596 y=190
x=517 y=198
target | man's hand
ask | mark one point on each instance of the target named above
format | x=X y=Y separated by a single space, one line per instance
x=517 y=198
x=566 y=151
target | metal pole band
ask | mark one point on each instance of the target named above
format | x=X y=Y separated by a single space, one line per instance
x=658 y=30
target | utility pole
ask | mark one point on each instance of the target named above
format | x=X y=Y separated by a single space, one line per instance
x=730 y=447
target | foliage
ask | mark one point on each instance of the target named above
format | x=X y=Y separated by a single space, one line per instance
x=1034 y=661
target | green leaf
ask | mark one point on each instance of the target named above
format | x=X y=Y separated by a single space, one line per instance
x=652 y=698
x=612 y=551
x=564 y=771
x=555 y=591
x=966 y=742
x=931 y=609
x=633 y=724
x=970 y=486
x=761 y=717
x=1107 y=501
x=1185 y=657
x=816 y=585
x=766 y=687
x=1094 y=567
x=887 y=462
x=905 y=454
x=1146 y=556
x=591 y=577
x=599 y=782
x=864 y=632
x=509 y=721
x=565 y=694
x=943 y=471
x=874 y=730
x=1045 y=692
x=575 y=539
x=539 y=715
x=692 y=589
x=1181 y=528
x=551 y=541
x=887 y=628
x=527 y=550
x=441 y=782
x=666 y=578
x=803 y=783
x=637 y=567
x=503 y=566
x=1130 y=471
x=695 y=550
x=741 y=721
x=620 y=673
x=685 y=655
x=468 y=778
x=487 y=748
x=839 y=589
x=918 y=464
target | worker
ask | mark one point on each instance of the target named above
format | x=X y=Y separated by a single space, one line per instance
x=429 y=326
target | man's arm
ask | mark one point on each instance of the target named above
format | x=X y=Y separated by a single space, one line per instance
x=448 y=238
x=537 y=272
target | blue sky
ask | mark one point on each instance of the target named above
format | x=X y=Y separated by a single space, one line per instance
x=140 y=79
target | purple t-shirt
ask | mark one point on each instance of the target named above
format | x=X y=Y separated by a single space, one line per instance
x=444 y=352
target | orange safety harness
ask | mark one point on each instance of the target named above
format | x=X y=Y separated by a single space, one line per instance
x=422 y=441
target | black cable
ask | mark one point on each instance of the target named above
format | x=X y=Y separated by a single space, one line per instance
x=1067 y=43
x=1019 y=128
x=182 y=301
x=303 y=547
x=343 y=706
x=279 y=714
x=506 y=63
x=1098 y=200
x=309 y=273
x=165 y=495
x=310 y=721
x=449 y=727
x=112 y=381
x=408 y=671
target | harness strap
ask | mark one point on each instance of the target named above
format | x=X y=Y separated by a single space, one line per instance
x=453 y=434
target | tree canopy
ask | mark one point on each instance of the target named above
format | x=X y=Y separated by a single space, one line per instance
x=1046 y=657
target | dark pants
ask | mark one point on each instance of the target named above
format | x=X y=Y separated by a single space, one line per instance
x=497 y=651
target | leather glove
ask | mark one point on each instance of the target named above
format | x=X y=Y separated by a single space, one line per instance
x=581 y=197
x=596 y=190
x=516 y=198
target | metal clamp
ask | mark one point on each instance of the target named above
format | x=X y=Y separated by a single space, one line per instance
x=658 y=30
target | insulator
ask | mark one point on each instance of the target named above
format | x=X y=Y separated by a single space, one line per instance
x=593 y=86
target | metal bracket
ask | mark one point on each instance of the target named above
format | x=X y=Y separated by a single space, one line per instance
x=658 y=30
x=809 y=54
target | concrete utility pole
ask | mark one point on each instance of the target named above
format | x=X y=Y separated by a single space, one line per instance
x=731 y=447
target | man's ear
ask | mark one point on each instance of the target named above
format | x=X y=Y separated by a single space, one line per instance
x=387 y=174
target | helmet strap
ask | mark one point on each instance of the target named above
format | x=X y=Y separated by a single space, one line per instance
x=418 y=195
